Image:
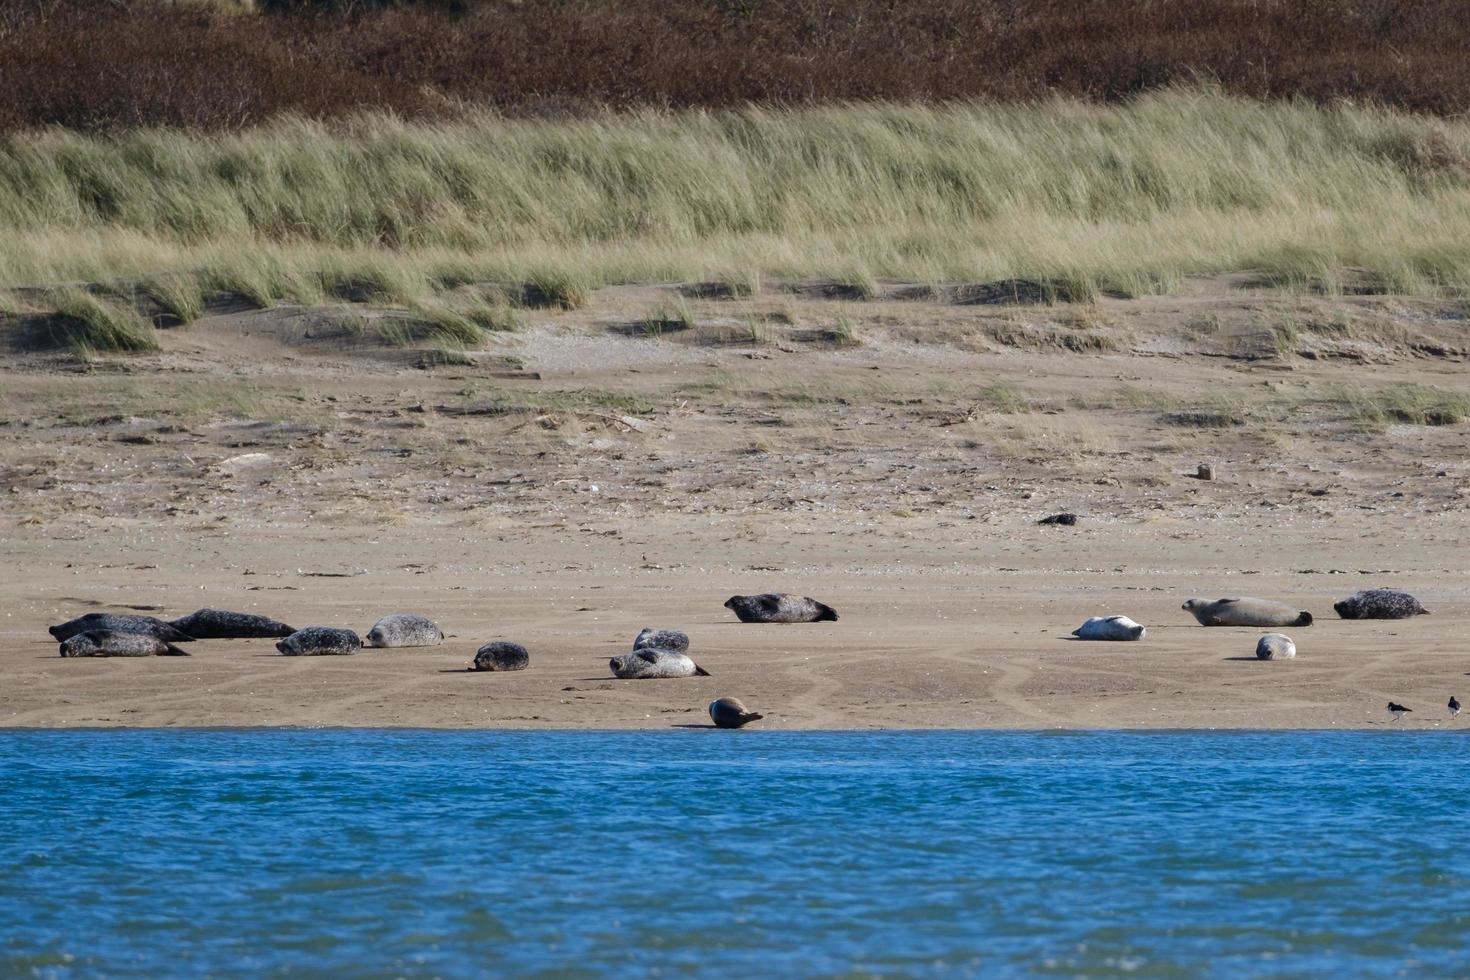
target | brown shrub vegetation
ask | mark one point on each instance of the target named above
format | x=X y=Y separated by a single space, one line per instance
x=115 y=63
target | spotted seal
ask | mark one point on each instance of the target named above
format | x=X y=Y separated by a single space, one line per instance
x=730 y=713
x=319 y=641
x=501 y=655
x=1245 y=612
x=1379 y=604
x=111 y=643
x=405 y=630
x=1110 y=628
x=221 y=624
x=671 y=640
x=120 y=623
x=778 y=607
x=1275 y=646
x=655 y=663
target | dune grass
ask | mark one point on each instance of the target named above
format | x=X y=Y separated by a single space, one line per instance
x=88 y=324
x=1124 y=199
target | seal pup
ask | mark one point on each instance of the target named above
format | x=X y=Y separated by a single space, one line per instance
x=671 y=640
x=1245 y=612
x=1275 y=646
x=120 y=623
x=778 y=607
x=501 y=655
x=405 y=630
x=654 y=663
x=221 y=624
x=319 y=641
x=1398 y=710
x=1454 y=706
x=1110 y=628
x=1379 y=604
x=730 y=713
x=110 y=643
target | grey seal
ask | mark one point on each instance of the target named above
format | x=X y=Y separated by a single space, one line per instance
x=1275 y=646
x=1110 y=628
x=319 y=641
x=671 y=640
x=778 y=607
x=405 y=630
x=730 y=713
x=110 y=643
x=120 y=623
x=1245 y=612
x=501 y=655
x=221 y=624
x=1379 y=604
x=655 y=663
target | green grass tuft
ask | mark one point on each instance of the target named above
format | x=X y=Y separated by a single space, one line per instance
x=88 y=324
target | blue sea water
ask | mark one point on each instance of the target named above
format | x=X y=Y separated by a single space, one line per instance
x=412 y=853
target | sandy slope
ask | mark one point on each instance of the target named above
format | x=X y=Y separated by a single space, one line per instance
x=340 y=492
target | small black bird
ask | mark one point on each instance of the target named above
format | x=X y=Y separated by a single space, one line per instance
x=1398 y=710
x=1454 y=706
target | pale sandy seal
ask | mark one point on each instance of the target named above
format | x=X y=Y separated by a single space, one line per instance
x=1379 y=604
x=730 y=713
x=405 y=630
x=1275 y=646
x=110 y=643
x=778 y=607
x=221 y=624
x=1110 y=628
x=655 y=663
x=121 y=623
x=1245 y=612
x=319 y=641
x=501 y=655
x=671 y=640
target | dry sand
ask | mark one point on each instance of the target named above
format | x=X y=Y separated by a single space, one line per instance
x=256 y=466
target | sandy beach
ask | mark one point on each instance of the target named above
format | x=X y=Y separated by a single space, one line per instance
x=581 y=480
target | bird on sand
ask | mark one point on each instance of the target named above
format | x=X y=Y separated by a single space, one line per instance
x=1454 y=706
x=1398 y=710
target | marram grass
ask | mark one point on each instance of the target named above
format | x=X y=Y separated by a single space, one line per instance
x=1129 y=198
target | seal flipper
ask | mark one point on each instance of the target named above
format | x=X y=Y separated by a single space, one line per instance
x=700 y=671
x=169 y=650
x=750 y=716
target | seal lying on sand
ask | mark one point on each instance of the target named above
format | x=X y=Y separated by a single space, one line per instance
x=221 y=624
x=110 y=643
x=1379 y=604
x=1275 y=646
x=671 y=640
x=501 y=655
x=120 y=623
x=655 y=663
x=778 y=607
x=1245 y=612
x=405 y=630
x=319 y=641
x=730 y=713
x=1110 y=628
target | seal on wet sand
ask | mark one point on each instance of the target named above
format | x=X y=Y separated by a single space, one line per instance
x=221 y=624
x=1379 y=604
x=501 y=655
x=653 y=639
x=655 y=663
x=1110 y=628
x=1275 y=646
x=778 y=607
x=405 y=630
x=319 y=641
x=110 y=643
x=730 y=713
x=1245 y=612
x=120 y=623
